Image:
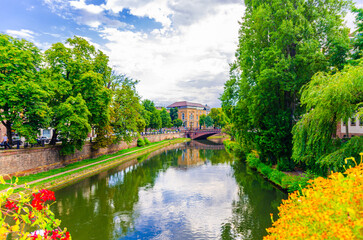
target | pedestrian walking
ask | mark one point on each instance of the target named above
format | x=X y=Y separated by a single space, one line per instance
x=6 y=142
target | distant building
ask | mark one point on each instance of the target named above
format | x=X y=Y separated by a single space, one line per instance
x=355 y=128
x=190 y=112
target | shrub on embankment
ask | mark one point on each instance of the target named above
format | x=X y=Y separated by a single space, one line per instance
x=286 y=181
x=147 y=142
x=329 y=208
x=140 y=142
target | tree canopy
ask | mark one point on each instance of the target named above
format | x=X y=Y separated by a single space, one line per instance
x=282 y=44
x=23 y=94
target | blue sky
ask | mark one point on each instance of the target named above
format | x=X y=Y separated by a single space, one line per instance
x=178 y=49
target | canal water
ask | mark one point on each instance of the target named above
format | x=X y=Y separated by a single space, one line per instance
x=191 y=190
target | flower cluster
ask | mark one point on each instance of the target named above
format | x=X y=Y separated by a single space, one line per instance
x=327 y=209
x=29 y=212
x=41 y=197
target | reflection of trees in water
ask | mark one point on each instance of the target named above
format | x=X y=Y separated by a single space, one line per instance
x=111 y=196
x=249 y=221
x=105 y=203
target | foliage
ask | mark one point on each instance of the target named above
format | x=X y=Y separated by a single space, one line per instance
x=79 y=71
x=173 y=113
x=202 y=120
x=165 y=118
x=125 y=115
x=23 y=95
x=328 y=98
x=19 y=216
x=147 y=142
x=219 y=117
x=177 y=122
x=358 y=38
x=140 y=142
x=73 y=123
x=327 y=209
x=152 y=115
x=282 y=44
x=208 y=121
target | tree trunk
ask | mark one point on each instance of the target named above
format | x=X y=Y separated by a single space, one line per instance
x=7 y=124
x=54 y=137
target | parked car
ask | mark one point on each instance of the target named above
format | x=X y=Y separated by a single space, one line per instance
x=40 y=139
x=17 y=140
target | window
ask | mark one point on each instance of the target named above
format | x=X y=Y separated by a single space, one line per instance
x=183 y=116
x=191 y=116
x=352 y=122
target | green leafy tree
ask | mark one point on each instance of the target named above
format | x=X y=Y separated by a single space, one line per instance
x=126 y=115
x=208 y=121
x=329 y=99
x=79 y=70
x=177 y=122
x=165 y=119
x=73 y=123
x=218 y=116
x=282 y=44
x=173 y=113
x=152 y=115
x=23 y=95
x=155 y=120
x=358 y=38
x=202 y=120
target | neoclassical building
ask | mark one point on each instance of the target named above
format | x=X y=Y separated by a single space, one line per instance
x=190 y=112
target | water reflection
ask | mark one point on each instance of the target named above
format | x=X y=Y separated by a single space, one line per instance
x=186 y=192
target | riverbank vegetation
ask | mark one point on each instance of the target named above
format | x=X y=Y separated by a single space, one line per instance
x=297 y=75
x=327 y=209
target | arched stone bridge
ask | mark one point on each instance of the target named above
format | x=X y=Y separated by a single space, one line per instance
x=201 y=133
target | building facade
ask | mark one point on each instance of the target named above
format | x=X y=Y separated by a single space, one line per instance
x=190 y=112
x=354 y=125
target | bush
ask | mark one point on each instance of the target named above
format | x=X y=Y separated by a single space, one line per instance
x=140 y=142
x=147 y=142
x=285 y=165
x=327 y=209
x=276 y=176
x=252 y=160
x=264 y=169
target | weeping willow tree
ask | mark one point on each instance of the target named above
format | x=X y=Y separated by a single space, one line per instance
x=329 y=99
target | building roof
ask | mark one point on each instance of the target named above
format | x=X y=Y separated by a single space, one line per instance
x=187 y=104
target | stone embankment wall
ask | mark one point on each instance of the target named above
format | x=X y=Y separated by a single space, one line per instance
x=31 y=160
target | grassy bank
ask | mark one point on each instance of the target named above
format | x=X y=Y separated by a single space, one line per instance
x=59 y=177
x=285 y=180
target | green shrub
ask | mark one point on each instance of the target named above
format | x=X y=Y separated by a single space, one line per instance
x=140 y=142
x=276 y=176
x=147 y=142
x=252 y=160
x=285 y=165
x=264 y=169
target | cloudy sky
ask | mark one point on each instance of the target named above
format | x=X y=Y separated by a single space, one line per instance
x=178 y=49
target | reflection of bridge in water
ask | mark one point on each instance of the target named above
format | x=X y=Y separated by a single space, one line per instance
x=201 y=133
x=204 y=144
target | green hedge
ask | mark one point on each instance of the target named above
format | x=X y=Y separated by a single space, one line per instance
x=147 y=142
x=140 y=142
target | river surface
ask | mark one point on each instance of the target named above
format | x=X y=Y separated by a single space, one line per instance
x=188 y=191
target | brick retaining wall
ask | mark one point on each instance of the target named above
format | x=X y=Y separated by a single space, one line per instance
x=32 y=160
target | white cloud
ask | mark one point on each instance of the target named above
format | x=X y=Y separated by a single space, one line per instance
x=23 y=33
x=165 y=61
x=91 y=8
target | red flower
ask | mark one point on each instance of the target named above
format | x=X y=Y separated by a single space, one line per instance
x=10 y=205
x=67 y=237
x=47 y=195
x=34 y=236
x=55 y=235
